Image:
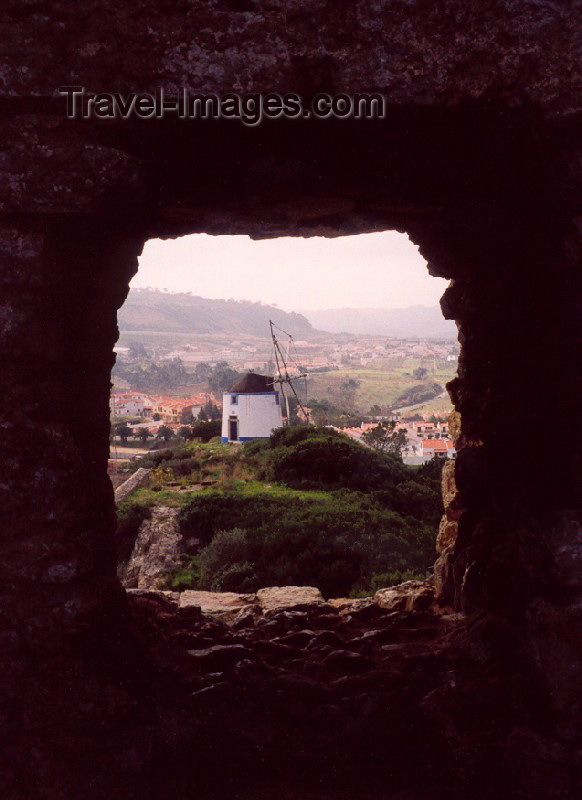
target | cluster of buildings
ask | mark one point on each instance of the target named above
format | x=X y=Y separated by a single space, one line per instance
x=329 y=350
x=367 y=350
x=431 y=439
x=159 y=407
x=424 y=439
x=252 y=409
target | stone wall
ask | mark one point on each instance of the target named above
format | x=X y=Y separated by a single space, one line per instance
x=384 y=697
x=139 y=478
x=156 y=551
x=478 y=159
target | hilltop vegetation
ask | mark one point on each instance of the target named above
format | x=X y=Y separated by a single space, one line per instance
x=153 y=310
x=307 y=507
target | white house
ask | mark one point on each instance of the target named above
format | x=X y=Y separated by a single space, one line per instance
x=130 y=404
x=251 y=410
x=443 y=448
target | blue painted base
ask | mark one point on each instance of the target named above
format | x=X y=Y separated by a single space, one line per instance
x=224 y=440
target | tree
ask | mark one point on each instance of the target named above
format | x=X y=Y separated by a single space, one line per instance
x=375 y=411
x=148 y=375
x=206 y=430
x=123 y=431
x=185 y=432
x=385 y=439
x=202 y=372
x=293 y=409
x=137 y=351
x=211 y=411
x=420 y=373
x=143 y=434
x=165 y=433
x=173 y=373
x=321 y=411
x=223 y=377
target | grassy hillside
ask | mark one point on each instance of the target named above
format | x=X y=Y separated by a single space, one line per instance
x=152 y=310
x=307 y=507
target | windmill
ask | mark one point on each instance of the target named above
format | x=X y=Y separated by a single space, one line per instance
x=282 y=365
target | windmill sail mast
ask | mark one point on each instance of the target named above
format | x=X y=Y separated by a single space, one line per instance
x=283 y=376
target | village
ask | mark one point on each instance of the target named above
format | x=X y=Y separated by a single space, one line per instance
x=256 y=446
x=322 y=351
x=354 y=378
x=148 y=417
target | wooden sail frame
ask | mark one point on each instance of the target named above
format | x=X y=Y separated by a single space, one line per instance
x=283 y=378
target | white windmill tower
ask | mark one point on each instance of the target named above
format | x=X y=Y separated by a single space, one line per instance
x=252 y=408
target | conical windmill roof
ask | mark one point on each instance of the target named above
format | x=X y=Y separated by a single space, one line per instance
x=252 y=383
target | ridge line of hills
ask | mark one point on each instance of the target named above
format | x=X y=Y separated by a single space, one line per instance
x=157 y=311
x=418 y=321
x=154 y=310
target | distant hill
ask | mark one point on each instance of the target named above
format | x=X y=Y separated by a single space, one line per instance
x=420 y=322
x=153 y=310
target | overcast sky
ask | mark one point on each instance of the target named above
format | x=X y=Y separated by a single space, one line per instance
x=375 y=270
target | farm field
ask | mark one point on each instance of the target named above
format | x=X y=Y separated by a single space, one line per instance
x=376 y=386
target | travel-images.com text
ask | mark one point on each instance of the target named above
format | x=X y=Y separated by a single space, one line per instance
x=250 y=109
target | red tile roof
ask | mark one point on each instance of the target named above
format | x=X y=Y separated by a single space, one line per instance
x=435 y=444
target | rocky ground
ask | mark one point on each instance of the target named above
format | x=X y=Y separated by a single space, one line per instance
x=281 y=693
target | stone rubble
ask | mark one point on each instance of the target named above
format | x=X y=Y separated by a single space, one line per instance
x=232 y=607
x=252 y=686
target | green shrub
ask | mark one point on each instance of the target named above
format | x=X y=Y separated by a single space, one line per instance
x=207 y=430
x=322 y=458
x=332 y=540
x=419 y=500
x=383 y=580
x=256 y=446
x=180 y=459
x=226 y=548
x=334 y=514
x=188 y=575
x=237 y=577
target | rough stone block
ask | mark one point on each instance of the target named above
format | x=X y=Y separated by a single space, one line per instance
x=409 y=596
x=221 y=604
x=447 y=534
x=277 y=598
